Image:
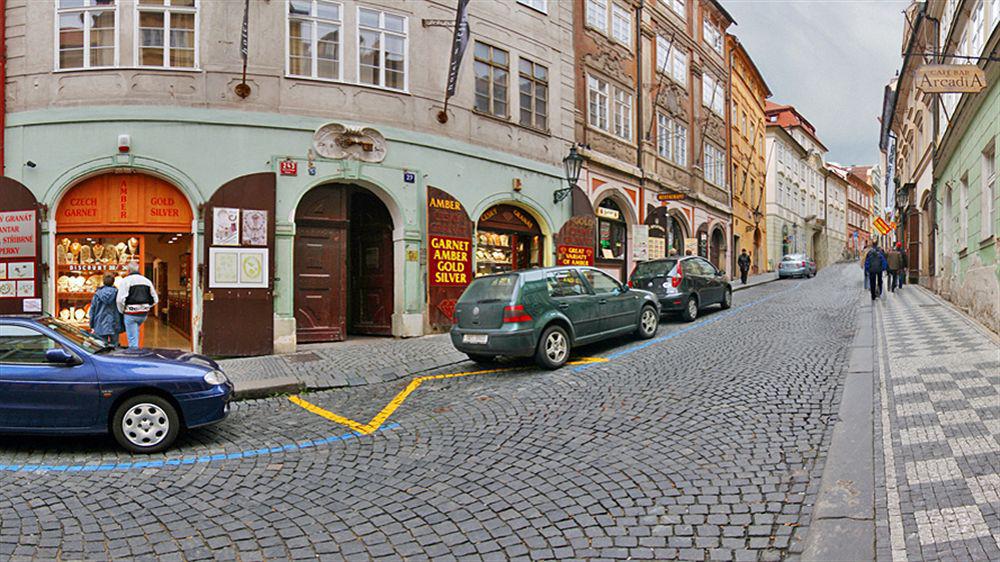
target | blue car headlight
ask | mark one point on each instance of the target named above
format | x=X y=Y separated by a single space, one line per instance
x=216 y=378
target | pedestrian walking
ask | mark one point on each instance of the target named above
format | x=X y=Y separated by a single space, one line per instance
x=136 y=297
x=894 y=261
x=875 y=264
x=105 y=319
x=864 y=264
x=744 y=263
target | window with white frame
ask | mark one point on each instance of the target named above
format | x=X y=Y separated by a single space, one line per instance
x=677 y=6
x=623 y=114
x=977 y=22
x=381 y=49
x=712 y=95
x=963 y=202
x=540 y=5
x=671 y=139
x=87 y=34
x=712 y=35
x=491 y=66
x=715 y=165
x=167 y=33
x=597 y=103
x=994 y=13
x=989 y=192
x=314 y=35
x=597 y=15
x=534 y=94
x=621 y=25
x=671 y=60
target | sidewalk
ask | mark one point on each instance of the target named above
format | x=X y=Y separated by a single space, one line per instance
x=931 y=490
x=753 y=280
x=358 y=361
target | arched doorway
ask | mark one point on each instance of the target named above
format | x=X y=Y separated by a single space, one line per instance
x=755 y=259
x=107 y=221
x=507 y=239
x=338 y=225
x=612 y=238
x=718 y=251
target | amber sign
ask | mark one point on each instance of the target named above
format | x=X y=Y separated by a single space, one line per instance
x=17 y=234
x=127 y=200
x=575 y=255
x=950 y=78
x=449 y=261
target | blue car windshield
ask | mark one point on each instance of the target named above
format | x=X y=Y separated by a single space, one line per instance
x=87 y=341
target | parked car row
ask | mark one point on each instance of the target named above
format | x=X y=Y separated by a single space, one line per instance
x=544 y=313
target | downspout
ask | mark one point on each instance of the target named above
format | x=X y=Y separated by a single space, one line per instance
x=638 y=130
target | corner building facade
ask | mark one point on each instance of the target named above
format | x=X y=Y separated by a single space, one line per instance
x=330 y=201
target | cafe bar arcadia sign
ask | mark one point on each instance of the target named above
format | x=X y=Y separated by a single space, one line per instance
x=950 y=78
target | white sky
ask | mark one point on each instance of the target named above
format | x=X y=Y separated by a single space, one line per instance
x=831 y=59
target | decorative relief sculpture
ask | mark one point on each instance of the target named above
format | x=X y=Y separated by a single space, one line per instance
x=341 y=142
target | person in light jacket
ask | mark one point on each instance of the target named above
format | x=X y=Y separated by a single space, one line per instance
x=136 y=297
x=105 y=319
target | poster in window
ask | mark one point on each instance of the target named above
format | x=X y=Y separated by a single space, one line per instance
x=253 y=269
x=640 y=242
x=26 y=288
x=223 y=268
x=254 y=227
x=226 y=227
x=21 y=270
x=7 y=289
x=3 y=271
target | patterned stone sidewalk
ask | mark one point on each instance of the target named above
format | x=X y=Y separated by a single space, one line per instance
x=937 y=432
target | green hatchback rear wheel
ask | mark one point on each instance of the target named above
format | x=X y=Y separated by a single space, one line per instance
x=553 y=348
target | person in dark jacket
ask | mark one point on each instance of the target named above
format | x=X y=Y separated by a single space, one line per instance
x=105 y=320
x=744 y=263
x=895 y=265
x=905 y=264
x=875 y=264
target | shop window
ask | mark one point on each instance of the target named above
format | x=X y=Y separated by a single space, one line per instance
x=314 y=35
x=87 y=35
x=507 y=239
x=612 y=231
x=534 y=88
x=168 y=33
x=491 y=67
x=382 y=49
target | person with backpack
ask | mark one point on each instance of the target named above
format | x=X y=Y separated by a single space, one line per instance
x=875 y=264
x=105 y=319
x=136 y=297
x=864 y=264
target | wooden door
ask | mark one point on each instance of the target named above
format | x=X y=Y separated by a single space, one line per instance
x=320 y=265
x=371 y=266
x=18 y=200
x=238 y=321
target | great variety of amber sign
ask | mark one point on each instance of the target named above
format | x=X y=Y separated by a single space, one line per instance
x=574 y=255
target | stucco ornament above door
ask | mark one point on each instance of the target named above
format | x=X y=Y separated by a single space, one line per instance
x=342 y=142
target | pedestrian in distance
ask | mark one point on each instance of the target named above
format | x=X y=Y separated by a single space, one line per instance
x=136 y=297
x=894 y=260
x=905 y=264
x=864 y=264
x=105 y=319
x=875 y=264
x=744 y=263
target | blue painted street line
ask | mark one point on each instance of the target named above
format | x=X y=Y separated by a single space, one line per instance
x=714 y=318
x=202 y=459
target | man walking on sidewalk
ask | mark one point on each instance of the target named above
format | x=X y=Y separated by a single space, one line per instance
x=875 y=264
x=136 y=297
x=744 y=262
x=895 y=264
x=864 y=264
x=904 y=264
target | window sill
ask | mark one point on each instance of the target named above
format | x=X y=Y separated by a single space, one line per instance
x=346 y=83
x=987 y=242
x=100 y=68
x=611 y=135
x=508 y=121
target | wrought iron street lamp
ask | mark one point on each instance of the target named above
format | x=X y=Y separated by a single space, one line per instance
x=571 y=164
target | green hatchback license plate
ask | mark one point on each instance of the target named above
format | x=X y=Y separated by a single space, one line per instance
x=475 y=338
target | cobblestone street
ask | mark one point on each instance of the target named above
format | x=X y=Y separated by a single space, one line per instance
x=705 y=444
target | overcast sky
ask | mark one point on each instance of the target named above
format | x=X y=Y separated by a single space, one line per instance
x=830 y=59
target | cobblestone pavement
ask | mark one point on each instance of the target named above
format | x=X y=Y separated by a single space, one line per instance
x=705 y=445
x=939 y=432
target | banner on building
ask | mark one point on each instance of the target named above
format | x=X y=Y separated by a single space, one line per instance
x=458 y=44
x=881 y=226
x=950 y=78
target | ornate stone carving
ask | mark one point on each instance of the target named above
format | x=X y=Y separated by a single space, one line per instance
x=341 y=142
x=609 y=61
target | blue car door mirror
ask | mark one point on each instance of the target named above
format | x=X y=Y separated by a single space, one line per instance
x=60 y=356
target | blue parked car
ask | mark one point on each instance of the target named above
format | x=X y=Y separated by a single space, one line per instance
x=59 y=380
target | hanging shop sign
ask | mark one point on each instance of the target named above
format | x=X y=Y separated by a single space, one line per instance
x=449 y=255
x=609 y=214
x=669 y=196
x=950 y=78
x=575 y=241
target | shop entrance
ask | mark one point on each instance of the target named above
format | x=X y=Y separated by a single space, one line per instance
x=107 y=221
x=338 y=225
x=612 y=239
x=507 y=239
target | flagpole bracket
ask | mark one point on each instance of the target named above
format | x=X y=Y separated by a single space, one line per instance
x=242 y=90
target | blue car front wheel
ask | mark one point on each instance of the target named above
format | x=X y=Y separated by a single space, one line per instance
x=145 y=424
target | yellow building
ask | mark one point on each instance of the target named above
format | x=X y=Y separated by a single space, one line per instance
x=749 y=160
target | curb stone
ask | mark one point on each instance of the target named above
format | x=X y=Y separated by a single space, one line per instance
x=262 y=388
x=843 y=522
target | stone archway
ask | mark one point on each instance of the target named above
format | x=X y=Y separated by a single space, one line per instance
x=718 y=247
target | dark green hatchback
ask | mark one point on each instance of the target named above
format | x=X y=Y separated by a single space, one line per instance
x=544 y=313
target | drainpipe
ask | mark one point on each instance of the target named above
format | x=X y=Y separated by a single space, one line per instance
x=629 y=248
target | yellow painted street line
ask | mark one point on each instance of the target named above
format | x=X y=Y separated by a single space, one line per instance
x=397 y=401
